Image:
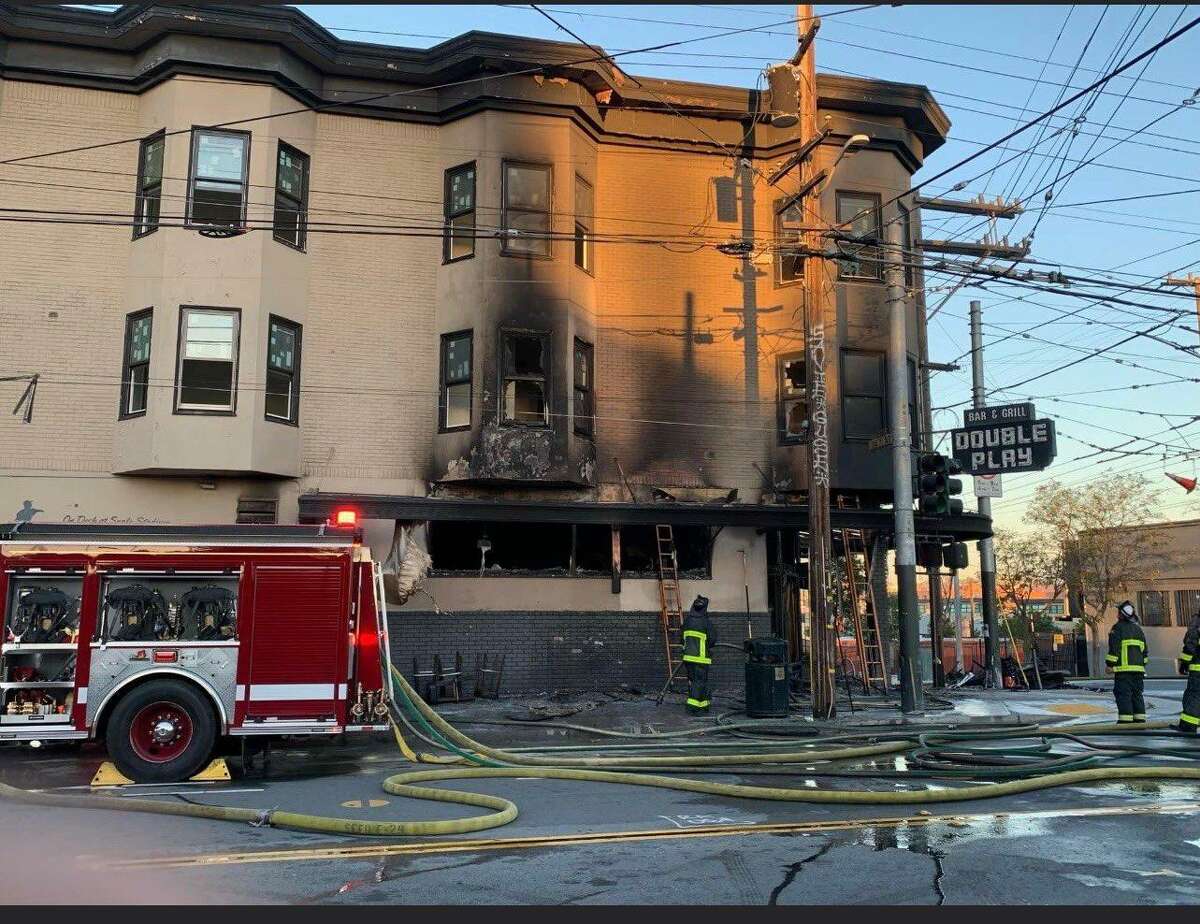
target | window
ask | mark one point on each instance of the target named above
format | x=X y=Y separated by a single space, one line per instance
x=291 y=196
x=860 y=212
x=135 y=369
x=584 y=210
x=459 y=242
x=789 y=261
x=524 y=387
x=217 y=180
x=525 y=215
x=456 y=381
x=1152 y=608
x=149 y=184
x=1056 y=609
x=257 y=510
x=208 y=352
x=863 y=393
x=1187 y=605
x=585 y=409
x=283 y=371
x=793 y=400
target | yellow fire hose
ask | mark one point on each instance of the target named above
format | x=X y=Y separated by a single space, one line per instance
x=504 y=811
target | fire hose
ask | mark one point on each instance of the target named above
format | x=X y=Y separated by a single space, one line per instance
x=939 y=753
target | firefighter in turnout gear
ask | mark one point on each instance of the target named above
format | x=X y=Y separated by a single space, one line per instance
x=698 y=639
x=1189 y=664
x=1126 y=658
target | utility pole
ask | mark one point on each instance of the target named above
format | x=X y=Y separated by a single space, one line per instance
x=1192 y=280
x=958 y=637
x=911 y=695
x=987 y=551
x=935 y=626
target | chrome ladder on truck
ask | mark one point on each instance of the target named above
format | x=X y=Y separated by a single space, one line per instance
x=668 y=595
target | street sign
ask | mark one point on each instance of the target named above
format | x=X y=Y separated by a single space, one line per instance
x=1001 y=413
x=996 y=448
x=988 y=486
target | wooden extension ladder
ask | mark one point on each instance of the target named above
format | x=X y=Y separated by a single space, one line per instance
x=668 y=596
x=865 y=611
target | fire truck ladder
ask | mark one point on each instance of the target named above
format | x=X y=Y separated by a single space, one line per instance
x=668 y=595
x=867 y=637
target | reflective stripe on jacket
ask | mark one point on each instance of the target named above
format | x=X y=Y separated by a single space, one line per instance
x=698 y=638
x=1127 y=649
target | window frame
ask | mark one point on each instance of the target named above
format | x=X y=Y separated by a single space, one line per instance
x=123 y=412
x=544 y=378
x=587 y=224
x=877 y=260
x=297 y=330
x=301 y=242
x=1165 y=598
x=203 y=410
x=844 y=393
x=1183 y=613
x=589 y=421
x=505 y=210
x=448 y=214
x=143 y=228
x=196 y=132
x=443 y=384
x=783 y=401
x=780 y=256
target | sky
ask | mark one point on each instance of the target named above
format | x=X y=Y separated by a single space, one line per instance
x=991 y=68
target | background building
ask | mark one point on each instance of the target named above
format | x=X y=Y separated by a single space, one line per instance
x=479 y=294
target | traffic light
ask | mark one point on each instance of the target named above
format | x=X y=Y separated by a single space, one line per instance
x=955 y=556
x=936 y=488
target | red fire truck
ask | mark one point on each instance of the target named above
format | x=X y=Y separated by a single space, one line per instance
x=164 y=640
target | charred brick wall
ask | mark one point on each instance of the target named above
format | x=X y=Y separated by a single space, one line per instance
x=561 y=652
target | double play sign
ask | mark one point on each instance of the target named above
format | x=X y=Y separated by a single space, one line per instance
x=1006 y=438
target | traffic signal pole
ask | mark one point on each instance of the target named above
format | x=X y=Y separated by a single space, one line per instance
x=987 y=552
x=911 y=695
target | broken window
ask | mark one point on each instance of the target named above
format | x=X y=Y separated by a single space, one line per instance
x=863 y=393
x=208 y=348
x=217 y=181
x=525 y=215
x=459 y=242
x=793 y=400
x=149 y=184
x=283 y=371
x=860 y=214
x=135 y=376
x=789 y=259
x=583 y=224
x=291 y=196
x=584 y=410
x=525 y=363
x=500 y=548
x=593 y=550
x=693 y=551
x=456 y=381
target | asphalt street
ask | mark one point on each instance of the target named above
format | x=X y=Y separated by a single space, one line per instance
x=1111 y=843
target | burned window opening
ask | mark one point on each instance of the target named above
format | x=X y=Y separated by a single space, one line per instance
x=693 y=551
x=525 y=385
x=793 y=400
x=511 y=549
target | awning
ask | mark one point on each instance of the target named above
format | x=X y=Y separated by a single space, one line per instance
x=317 y=507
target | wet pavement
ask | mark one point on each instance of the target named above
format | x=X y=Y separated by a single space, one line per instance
x=1101 y=843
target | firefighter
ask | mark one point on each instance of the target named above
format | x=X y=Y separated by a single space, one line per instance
x=1126 y=658
x=1189 y=664
x=698 y=639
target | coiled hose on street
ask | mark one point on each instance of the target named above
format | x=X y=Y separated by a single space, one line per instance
x=937 y=753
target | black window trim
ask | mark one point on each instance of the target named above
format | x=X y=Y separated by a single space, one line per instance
x=781 y=399
x=883 y=398
x=231 y=411
x=301 y=242
x=141 y=228
x=297 y=329
x=878 y=278
x=123 y=412
x=504 y=209
x=191 y=175
x=589 y=227
x=443 y=405
x=547 y=365
x=589 y=429
x=448 y=215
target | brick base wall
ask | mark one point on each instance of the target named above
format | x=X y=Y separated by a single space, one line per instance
x=559 y=652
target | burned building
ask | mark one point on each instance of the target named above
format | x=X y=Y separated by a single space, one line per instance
x=496 y=290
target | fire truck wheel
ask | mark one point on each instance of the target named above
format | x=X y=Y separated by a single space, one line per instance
x=161 y=732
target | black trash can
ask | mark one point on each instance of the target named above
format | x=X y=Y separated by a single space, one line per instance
x=767 y=677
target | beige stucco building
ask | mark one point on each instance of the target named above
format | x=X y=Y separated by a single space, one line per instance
x=477 y=287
